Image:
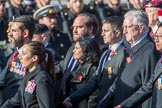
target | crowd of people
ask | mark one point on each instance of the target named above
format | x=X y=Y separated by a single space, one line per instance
x=78 y=55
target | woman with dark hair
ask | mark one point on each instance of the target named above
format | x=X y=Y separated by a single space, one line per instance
x=87 y=53
x=37 y=87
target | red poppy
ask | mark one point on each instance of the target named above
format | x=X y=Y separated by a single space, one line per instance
x=128 y=59
x=113 y=52
x=160 y=15
x=159 y=12
x=80 y=77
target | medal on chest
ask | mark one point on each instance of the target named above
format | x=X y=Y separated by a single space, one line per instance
x=30 y=87
x=110 y=72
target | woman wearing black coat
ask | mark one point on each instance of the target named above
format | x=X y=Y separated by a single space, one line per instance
x=37 y=87
x=87 y=53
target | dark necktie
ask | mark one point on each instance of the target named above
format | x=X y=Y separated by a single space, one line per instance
x=105 y=59
x=71 y=65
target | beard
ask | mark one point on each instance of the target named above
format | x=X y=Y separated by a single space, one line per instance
x=16 y=42
x=77 y=36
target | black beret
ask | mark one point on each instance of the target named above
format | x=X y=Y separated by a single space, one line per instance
x=40 y=28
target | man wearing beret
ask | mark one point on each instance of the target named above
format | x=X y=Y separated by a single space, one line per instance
x=151 y=9
x=59 y=41
x=42 y=34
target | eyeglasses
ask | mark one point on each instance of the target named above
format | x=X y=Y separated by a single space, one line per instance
x=128 y=27
x=157 y=36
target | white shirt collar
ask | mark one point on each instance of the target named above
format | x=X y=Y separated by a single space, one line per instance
x=115 y=46
x=139 y=40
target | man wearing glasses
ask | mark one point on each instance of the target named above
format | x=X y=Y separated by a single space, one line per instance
x=154 y=86
x=140 y=63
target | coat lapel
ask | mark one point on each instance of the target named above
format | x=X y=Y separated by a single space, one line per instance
x=136 y=48
x=158 y=70
x=26 y=79
x=69 y=55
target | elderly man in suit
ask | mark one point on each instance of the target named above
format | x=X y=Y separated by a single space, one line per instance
x=154 y=86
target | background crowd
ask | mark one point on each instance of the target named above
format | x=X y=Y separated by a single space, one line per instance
x=102 y=54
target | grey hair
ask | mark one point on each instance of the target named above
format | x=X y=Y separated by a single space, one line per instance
x=139 y=17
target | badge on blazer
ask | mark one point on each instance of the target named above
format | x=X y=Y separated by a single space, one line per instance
x=30 y=86
x=160 y=83
x=110 y=71
x=17 y=68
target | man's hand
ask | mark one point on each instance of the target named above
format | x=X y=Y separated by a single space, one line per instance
x=67 y=102
x=118 y=106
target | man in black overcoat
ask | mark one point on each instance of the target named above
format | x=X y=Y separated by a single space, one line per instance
x=154 y=85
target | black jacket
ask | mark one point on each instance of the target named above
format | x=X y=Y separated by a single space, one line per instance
x=35 y=91
x=103 y=79
x=136 y=73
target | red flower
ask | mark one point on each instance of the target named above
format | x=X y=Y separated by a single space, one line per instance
x=80 y=77
x=128 y=59
x=159 y=12
x=113 y=52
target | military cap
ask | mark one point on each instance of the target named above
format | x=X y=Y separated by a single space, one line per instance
x=40 y=28
x=154 y=3
x=45 y=11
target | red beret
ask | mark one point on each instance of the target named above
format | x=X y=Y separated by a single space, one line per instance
x=154 y=3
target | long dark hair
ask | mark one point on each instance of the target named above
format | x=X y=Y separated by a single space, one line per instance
x=91 y=48
x=46 y=58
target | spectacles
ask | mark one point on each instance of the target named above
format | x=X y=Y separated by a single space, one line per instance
x=128 y=27
x=157 y=36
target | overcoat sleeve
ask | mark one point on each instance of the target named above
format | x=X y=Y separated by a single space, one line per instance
x=45 y=93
